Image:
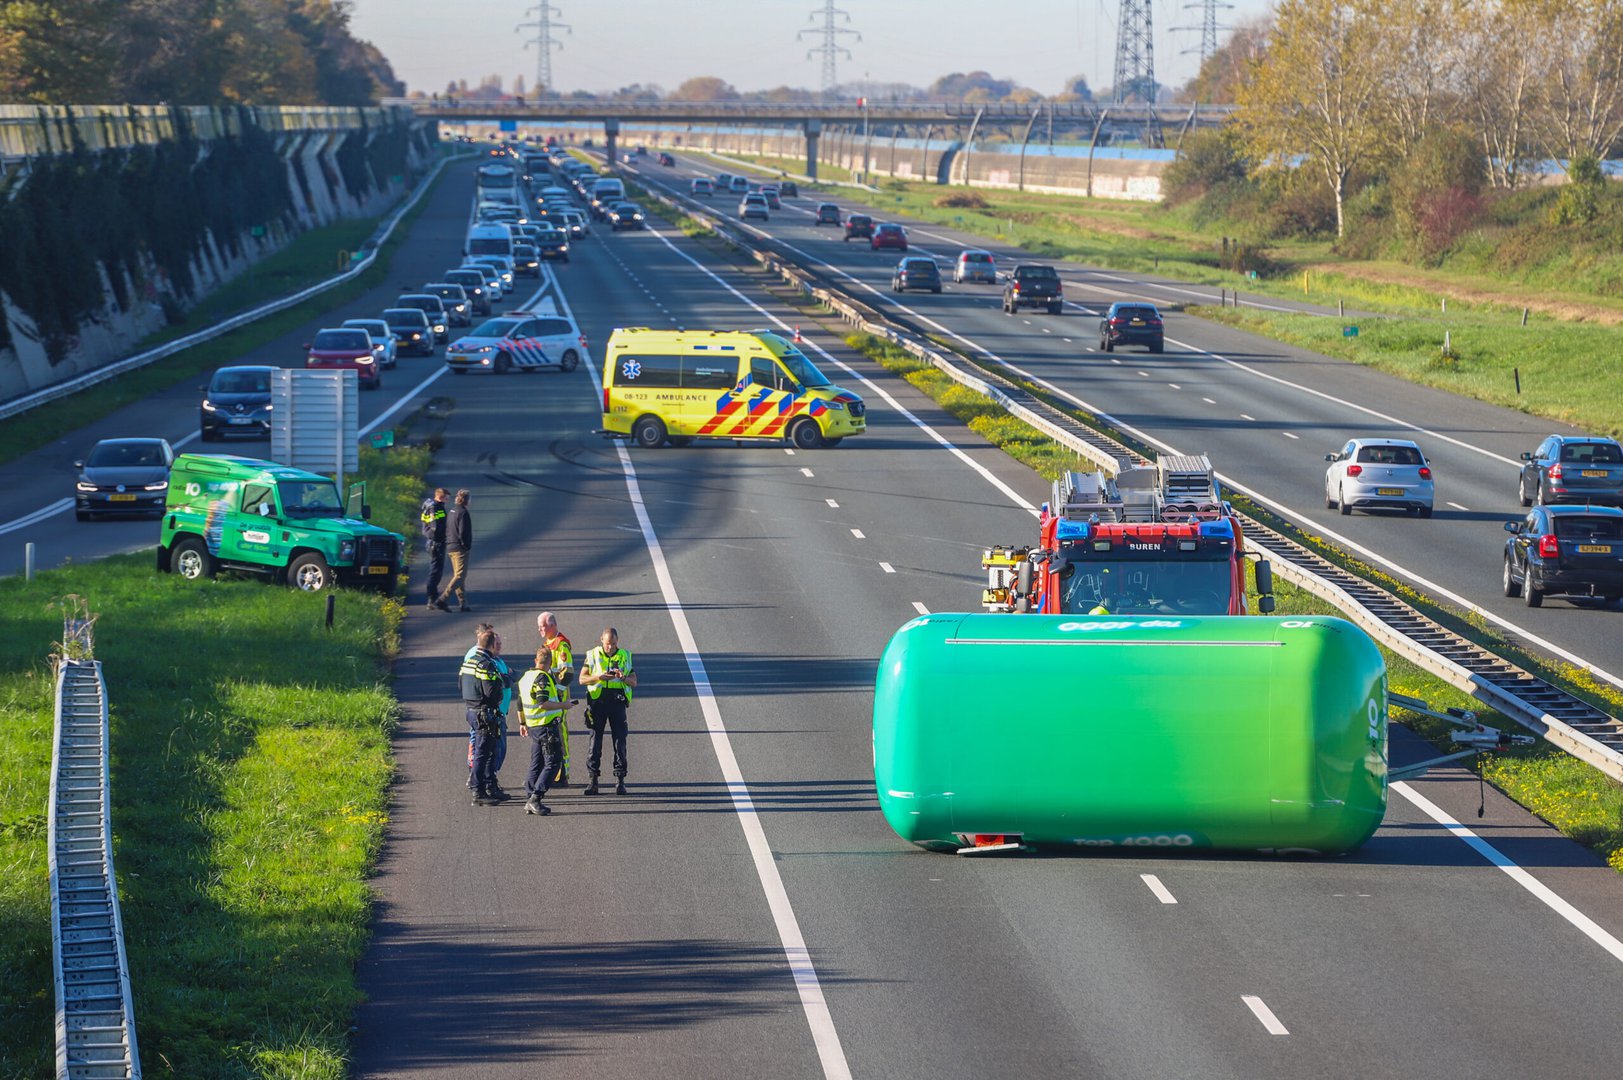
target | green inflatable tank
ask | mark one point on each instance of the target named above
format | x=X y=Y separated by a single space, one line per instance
x=1238 y=732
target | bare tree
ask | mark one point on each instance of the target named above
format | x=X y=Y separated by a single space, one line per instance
x=1421 y=57
x=1505 y=44
x=1580 y=106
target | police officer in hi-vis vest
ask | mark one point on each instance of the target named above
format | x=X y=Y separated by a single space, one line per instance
x=563 y=672
x=609 y=680
x=482 y=685
x=541 y=707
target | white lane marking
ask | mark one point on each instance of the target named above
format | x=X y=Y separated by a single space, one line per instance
x=1174 y=386
x=1353 y=405
x=887 y=568
x=1288 y=435
x=1261 y=1011
x=1066 y=340
x=1208 y=401
x=51 y=510
x=810 y=988
x=806 y=472
x=409 y=396
x=1145 y=374
x=789 y=450
x=1248 y=416
x=1113 y=360
x=1561 y=907
x=1162 y=893
x=1457 y=506
x=879 y=391
x=1046 y=330
x=920 y=608
x=858 y=534
x=832 y=504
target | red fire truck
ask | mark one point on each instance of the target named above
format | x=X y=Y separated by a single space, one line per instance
x=1153 y=540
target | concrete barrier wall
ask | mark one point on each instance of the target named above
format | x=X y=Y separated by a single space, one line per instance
x=307 y=140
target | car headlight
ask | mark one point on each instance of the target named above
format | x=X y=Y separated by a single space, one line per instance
x=83 y=486
x=837 y=405
x=439 y=328
x=563 y=247
x=346 y=551
x=161 y=485
x=416 y=335
x=485 y=360
x=363 y=359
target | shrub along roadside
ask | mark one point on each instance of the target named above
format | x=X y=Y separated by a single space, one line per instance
x=251 y=764
x=1574 y=797
x=310 y=258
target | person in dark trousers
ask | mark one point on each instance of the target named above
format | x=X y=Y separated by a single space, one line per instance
x=458 y=542
x=609 y=679
x=482 y=685
x=542 y=705
x=433 y=516
x=508 y=682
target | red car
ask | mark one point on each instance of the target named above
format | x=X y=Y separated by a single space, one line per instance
x=888 y=236
x=345 y=348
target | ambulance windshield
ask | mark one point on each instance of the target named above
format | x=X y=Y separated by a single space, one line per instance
x=804 y=371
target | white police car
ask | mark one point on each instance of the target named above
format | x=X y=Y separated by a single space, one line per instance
x=519 y=341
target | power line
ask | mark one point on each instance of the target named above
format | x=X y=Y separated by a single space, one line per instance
x=543 y=41
x=1135 y=52
x=1208 y=27
x=831 y=48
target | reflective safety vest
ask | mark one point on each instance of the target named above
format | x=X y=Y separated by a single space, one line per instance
x=597 y=663
x=536 y=688
x=563 y=654
x=481 y=681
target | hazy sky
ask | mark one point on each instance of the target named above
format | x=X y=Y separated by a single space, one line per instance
x=752 y=43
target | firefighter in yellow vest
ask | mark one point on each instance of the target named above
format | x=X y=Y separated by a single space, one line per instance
x=563 y=672
x=609 y=679
x=541 y=718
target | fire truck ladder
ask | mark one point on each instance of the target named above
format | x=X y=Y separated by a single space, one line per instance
x=95 y=1023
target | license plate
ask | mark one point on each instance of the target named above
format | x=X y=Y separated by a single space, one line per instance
x=377 y=569
x=1594 y=549
x=1389 y=491
x=1138 y=322
x=1592 y=472
x=241 y=420
x=121 y=498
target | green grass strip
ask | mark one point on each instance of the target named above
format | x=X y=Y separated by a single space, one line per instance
x=1573 y=796
x=311 y=257
x=251 y=767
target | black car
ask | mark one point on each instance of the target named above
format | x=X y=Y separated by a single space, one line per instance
x=458 y=308
x=412 y=327
x=431 y=306
x=788 y=189
x=237 y=401
x=916 y=273
x=666 y=160
x=473 y=286
x=1573 y=469
x=526 y=260
x=827 y=214
x=553 y=243
x=1131 y=324
x=123 y=476
x=1034 y=285
x=859 y=227
x=626 y=215
x=1569 y=550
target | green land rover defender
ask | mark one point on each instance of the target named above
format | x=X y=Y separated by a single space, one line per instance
x=243 y=514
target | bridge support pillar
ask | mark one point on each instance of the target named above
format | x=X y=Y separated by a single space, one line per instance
x=814 y=130
x=611 y=137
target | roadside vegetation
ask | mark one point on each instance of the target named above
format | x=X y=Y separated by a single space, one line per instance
x=250 y=776
x=1571 y=795
x=311 y=257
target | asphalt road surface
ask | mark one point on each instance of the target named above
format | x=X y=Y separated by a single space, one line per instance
x=745 y=910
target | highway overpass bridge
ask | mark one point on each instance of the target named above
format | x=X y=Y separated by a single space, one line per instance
x=1097 y=119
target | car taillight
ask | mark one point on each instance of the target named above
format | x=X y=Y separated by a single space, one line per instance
x=1425 y=473
x=1355 y=470
x=583 y=341
x=1555 y=471
x=1017 y=286
x=1548 y=546
x=1117 y=321
x=1155 y=322
x=605 y=399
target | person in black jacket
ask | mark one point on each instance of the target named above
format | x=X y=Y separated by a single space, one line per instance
x=458 y=542
x=482 y=684
x=433 y=517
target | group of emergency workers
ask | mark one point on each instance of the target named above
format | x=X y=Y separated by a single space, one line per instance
x=490 y=690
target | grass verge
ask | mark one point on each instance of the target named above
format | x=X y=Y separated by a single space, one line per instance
x=1572 y=796
x=310 y=258
x=250 y=774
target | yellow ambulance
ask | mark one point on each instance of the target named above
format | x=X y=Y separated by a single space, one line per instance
x=681 y=385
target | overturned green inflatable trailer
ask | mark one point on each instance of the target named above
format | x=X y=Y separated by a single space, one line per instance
x=1252 y=733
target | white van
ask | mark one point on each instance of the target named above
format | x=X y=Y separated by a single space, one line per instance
x=490 y=239
x=605 y=193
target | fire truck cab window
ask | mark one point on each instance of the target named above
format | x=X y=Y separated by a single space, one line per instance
x=1133 y=587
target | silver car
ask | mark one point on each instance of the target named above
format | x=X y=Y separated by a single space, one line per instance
x=975 y=265
x=1371 y=474
x=753 y=205
x=385 y=346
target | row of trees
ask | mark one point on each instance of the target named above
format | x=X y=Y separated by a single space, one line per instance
x=187 y=52
x=1352 y=89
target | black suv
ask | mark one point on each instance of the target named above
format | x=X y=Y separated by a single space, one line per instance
x=916 y=273
x=237 y=402
x=827 y=214
x=1131 y=324
x=859 y=227
x=1571 y=550
x=1573 y=469
x=1034 y=286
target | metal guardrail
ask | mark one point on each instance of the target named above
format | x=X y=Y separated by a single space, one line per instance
x=95 y=1019
x=39 y=397
x=1579 y=728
